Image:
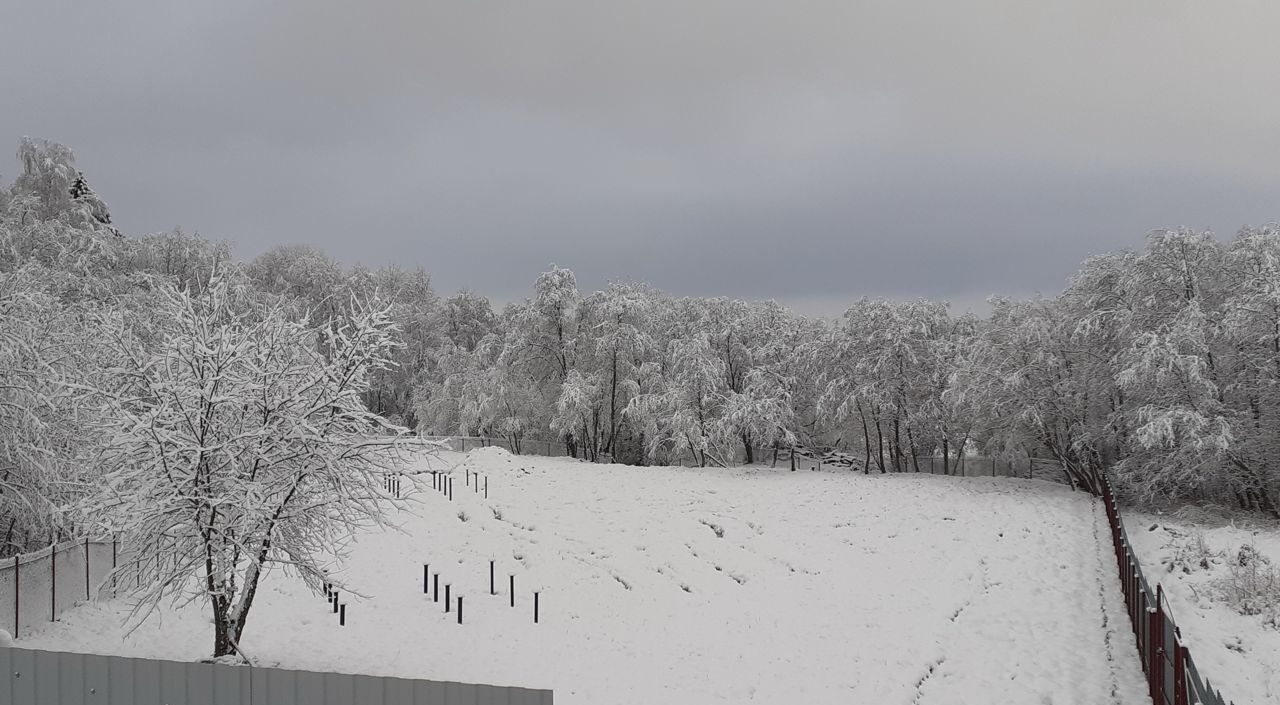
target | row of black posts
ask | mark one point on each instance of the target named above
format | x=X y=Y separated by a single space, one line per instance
x=473 y=479
x=392 y=485
x=443 y=483
x=339 y=608
x=431 y=585
x=431 y=581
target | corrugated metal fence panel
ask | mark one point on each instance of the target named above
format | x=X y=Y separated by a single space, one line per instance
x=37 y=677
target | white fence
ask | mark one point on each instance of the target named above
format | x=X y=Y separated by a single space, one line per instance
x=37 y=587
x=29 y=677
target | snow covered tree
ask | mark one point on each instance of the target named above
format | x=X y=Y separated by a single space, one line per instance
x=467 y=318
x=682 y=408
x=188 y=259
x=304 y=274
x=241 y=444
x=51 y=188
x=50 y=350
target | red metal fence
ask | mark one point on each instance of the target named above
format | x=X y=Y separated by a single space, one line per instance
x=1172 y=677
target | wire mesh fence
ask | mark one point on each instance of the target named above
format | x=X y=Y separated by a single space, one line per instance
x=36 y=587
x=800 y=457
x=1172 y=676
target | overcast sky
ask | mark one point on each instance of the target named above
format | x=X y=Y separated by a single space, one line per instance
x=802 y=150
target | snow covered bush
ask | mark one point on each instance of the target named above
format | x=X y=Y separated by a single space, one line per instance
x=1192 y=553
x=1251 y=585
x=241 y=443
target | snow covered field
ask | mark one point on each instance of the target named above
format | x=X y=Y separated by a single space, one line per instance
x=670 y=585
x=1239 y=653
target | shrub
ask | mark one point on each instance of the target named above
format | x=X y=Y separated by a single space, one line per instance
x=1191 y=554
x=1251 y=585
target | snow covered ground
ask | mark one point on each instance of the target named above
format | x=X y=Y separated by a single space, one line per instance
x=1239 y=653
x=674 y=585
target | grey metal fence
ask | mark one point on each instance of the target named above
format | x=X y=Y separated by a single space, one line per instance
x=33 y=677
x=957 y=466
x=37 y=587
x=463 y=444
x=807 y=458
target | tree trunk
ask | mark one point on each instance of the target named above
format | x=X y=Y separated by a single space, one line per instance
x=866 y=442
x=221 y=637
x=911 y=441
x=897 y=445
x=880 y=446
x=613 y=405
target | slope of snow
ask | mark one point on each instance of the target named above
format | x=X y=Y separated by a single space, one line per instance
x=707 y=586
x=1240 y=654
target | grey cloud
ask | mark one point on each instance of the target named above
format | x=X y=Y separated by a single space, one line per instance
x=809 y=151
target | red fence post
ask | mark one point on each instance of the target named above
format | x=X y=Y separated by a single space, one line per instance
x=1132 y=603
x=1156 y=630
x=1139 y=630
x=1180 y=656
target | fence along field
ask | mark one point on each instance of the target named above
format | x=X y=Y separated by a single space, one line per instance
x=1171 y=672
x=37 y=587
x=58 y=677
x=806 y=459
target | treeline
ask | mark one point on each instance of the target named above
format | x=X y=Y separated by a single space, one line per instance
x=1161 y=366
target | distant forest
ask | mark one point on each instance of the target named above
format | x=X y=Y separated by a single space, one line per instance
x=1159 y=366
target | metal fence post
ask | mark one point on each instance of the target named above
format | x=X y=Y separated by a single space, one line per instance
x=86 y=568
x=1180 y=656
x=53 y=582
x=17 y=584
x=1155 y=630
x=1140 y=629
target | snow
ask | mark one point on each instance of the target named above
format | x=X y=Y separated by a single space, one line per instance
x=706 y=586
x=1239 y=653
